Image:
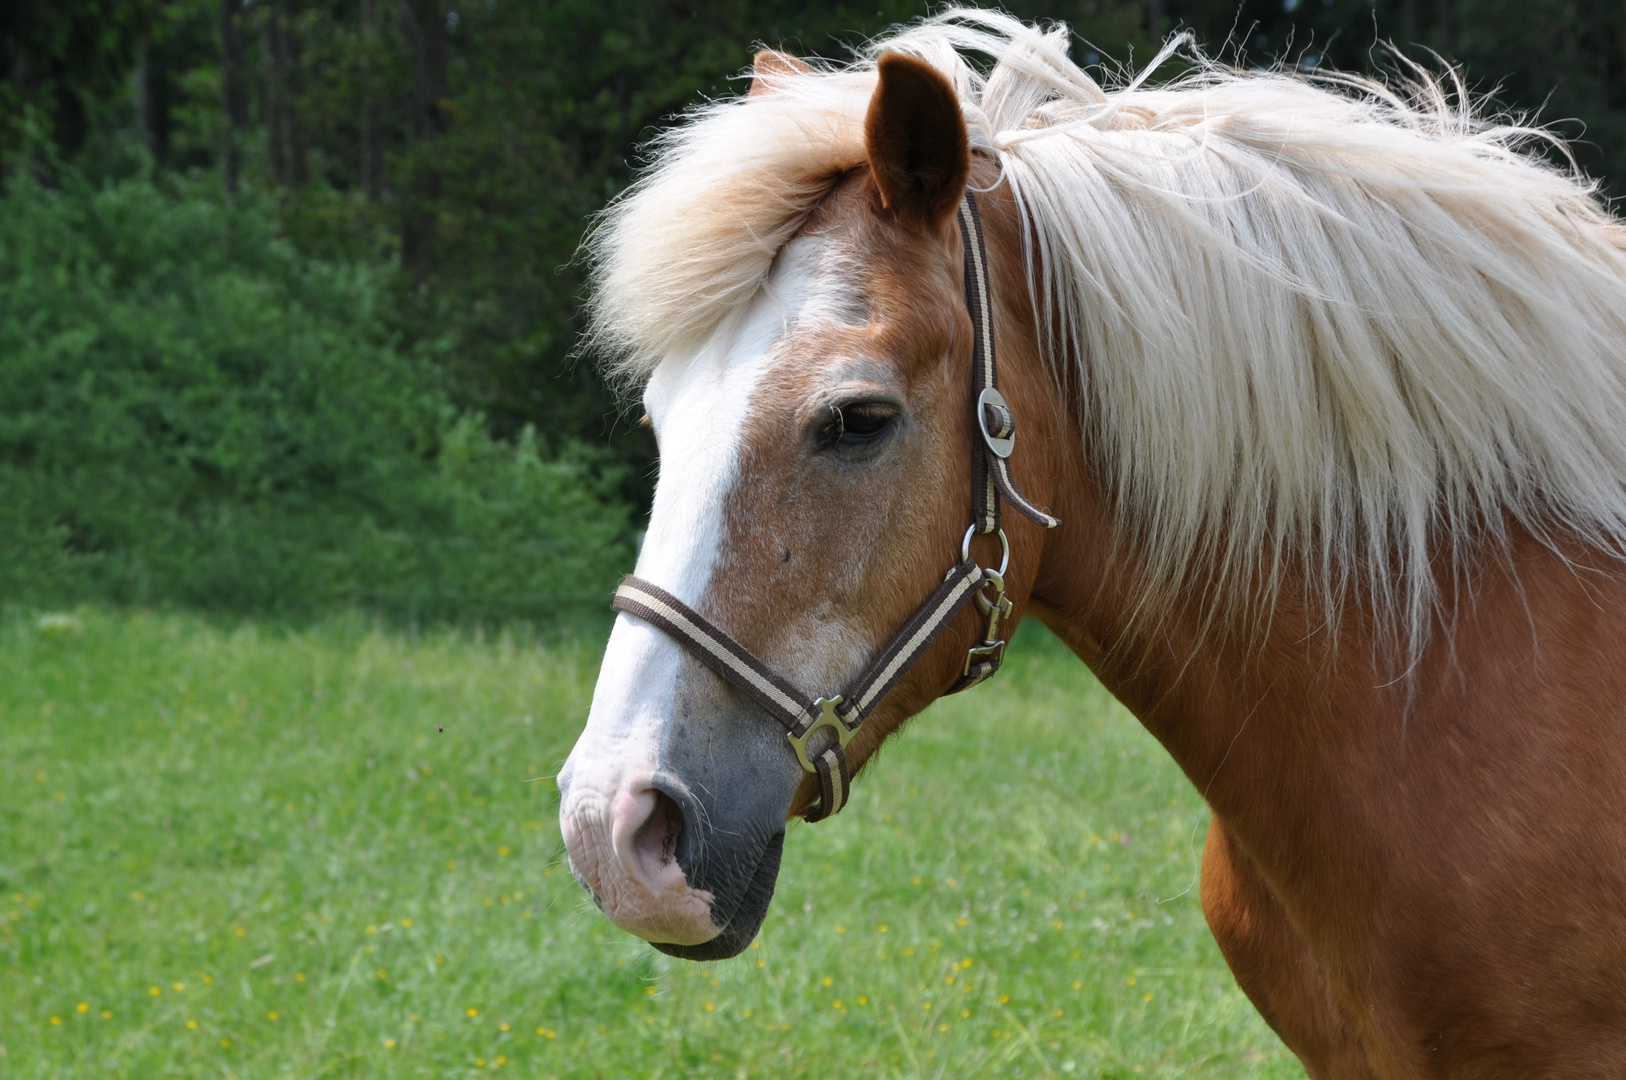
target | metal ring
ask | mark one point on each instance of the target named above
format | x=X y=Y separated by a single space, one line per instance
x=1004 y=548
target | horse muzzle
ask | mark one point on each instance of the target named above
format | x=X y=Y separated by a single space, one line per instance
x=658 y=865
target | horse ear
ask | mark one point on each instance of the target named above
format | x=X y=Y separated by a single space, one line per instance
x=915 y=137
x=772 y=67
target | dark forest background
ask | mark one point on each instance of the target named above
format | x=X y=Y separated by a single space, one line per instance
x=287 y=300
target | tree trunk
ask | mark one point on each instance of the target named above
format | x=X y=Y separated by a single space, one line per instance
x=1449 y=46
x=72 y=120
x=372 y=165
x=423 y=24
x=284 y=81
x=293 y=96
x=1618 y=98
x=276 y=118
x=141 y=97
x=234 y=103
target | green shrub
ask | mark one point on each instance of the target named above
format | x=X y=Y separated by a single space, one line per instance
x=192 y=413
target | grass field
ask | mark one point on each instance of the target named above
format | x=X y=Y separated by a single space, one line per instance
x=237 y=852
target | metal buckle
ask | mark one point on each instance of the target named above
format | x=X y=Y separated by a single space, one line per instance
x=827 y=719
x=993 y=651
x=1001 y=446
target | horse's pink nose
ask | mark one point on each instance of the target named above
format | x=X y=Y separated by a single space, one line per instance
x=623 y=847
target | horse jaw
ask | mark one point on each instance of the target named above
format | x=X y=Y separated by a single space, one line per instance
x=621 y=766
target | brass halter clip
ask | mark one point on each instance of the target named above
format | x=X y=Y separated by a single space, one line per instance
x=827 y=719
x=984 y=658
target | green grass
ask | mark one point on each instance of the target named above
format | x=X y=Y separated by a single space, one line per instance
x=239 y=852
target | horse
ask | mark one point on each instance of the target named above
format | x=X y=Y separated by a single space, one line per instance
x=1312 y=396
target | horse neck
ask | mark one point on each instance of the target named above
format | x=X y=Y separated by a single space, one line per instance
x=1343 y=767
x=1237 y=706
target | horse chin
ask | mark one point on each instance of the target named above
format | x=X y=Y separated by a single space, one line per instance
x=739 y=926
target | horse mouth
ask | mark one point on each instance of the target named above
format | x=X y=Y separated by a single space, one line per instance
x=750 y=908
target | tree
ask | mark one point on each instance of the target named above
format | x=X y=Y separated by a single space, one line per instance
x=1561 y=61
x=63 y=61
x=472 y=140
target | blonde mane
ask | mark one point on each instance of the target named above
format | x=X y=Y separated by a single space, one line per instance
x=1315 y=321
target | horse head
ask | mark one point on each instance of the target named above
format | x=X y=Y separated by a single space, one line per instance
x=815 y=474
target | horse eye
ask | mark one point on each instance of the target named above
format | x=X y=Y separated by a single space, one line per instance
x=858 y=423
x=867 y=418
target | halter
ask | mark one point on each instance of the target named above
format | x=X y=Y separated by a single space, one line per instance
x=843 y=714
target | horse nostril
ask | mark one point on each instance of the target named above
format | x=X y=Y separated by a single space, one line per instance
x=657 y=838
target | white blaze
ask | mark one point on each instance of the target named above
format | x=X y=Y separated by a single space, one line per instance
x=699 y=407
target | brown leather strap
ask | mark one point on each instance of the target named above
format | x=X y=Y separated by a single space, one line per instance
x=718 y=651
x=835 y=784
x=990 y=469
x=910 y=643
x=788 y=704
x=795 y=710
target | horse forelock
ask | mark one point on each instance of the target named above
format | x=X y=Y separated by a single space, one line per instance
x=1319 y=326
